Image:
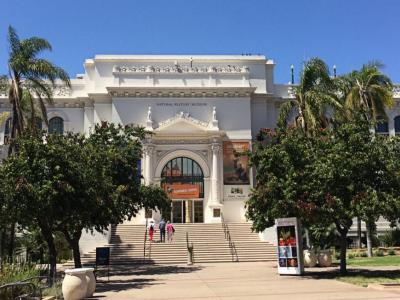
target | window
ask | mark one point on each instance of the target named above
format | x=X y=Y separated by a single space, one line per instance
x=397 y=125
x=7 y=131
x=56 y=125
x=382 y=127
x=183 y=173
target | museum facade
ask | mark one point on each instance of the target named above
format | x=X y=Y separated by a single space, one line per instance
x=203 y=112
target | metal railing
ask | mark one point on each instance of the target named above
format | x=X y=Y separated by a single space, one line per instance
x=25 y=289
x=229 y=239
x=190 y=248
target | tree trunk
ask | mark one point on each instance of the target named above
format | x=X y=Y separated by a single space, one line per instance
x=12 y=240
x=77 y=254
x=308 y=242
x=370 y=230
x=359 y=245
x=343 y=249
x=73 y=242
x=48 y=237
x=2 y=241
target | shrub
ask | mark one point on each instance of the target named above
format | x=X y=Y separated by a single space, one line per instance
x=363 y=254
x=379 y=253
x=13 y=272
x=351 y=255
x=391 y=252
x=391 y=238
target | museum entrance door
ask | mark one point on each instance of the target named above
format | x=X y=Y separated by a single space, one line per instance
x=183 y=180
x=187 y=211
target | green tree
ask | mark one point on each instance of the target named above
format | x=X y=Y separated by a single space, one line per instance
x=69 y=183
x=312 y=98
x=366 y=92
x=320 y=179
x=29 y=86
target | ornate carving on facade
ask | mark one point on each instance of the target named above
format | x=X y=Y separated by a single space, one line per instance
x=185 y=116
x=149 y=120
x=216 y=148
x=229 y=69
x=214 y=122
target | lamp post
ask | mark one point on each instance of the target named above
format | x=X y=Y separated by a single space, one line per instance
x=292 y=73
x=334 y=71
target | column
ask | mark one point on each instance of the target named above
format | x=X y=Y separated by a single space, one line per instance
x=148 y=161
x=88 y=119
x=215 y=199
x=391 y=125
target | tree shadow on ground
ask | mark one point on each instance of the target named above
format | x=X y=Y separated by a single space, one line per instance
x=140 y=270
x=371 y=274
x=129 y=277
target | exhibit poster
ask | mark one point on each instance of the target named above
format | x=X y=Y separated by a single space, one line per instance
x=182 y=191
x=290 y=258
x=236 y=163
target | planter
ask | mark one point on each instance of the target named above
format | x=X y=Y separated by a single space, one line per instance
x=324 y=258
x=91 y=281
x=310 y=258
x=74 y=285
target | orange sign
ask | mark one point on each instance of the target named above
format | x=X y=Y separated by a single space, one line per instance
x=182 y=191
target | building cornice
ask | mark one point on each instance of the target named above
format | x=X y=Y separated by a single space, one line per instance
x=183 y=92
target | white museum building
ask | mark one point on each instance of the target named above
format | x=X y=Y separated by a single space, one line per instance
x=203 y=111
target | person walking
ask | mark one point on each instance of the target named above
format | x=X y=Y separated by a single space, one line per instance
x=151 y=229
x=170 y=231
x=162 y=226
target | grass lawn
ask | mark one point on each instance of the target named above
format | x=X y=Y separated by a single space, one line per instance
x=365 y=277
x=374 y=261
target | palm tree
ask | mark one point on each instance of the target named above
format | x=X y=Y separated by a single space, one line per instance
x=313 y=97
x=368 y=91
x=31 y=81
x=30 y=87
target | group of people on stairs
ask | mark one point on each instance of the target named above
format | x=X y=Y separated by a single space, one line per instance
x=164 y=227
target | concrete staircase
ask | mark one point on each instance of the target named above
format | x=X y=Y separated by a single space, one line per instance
x=211 y=243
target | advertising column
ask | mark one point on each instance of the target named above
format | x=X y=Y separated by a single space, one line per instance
x=290 y=250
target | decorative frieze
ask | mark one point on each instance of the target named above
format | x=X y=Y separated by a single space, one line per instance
x=177 y=69
x=182 y=115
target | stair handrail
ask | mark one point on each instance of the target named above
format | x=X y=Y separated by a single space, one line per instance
x=229 y=239
x=189 y=247
x=144 y=242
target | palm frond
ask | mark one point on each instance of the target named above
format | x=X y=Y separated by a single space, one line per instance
x=284 y=112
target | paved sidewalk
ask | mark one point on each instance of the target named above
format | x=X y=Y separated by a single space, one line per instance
x=226 y=281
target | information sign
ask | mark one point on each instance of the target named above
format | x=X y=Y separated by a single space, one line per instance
x=290 y=250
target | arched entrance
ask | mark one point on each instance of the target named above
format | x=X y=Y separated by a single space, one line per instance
x=183 y=179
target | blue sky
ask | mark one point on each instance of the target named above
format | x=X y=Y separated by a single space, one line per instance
x=347 y=33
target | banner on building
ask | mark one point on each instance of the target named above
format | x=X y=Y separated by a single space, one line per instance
x=182 y=191
x=236 y=164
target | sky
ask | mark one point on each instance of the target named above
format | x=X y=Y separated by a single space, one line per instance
x=345 y=33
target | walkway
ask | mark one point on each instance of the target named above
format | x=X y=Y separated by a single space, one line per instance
x=225 y=281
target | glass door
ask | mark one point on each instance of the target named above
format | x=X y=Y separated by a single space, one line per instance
x=177 y=211
x=198 y=211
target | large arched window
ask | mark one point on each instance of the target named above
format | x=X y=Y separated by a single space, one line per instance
x=56 y=125
x=183 y=178
x=397 y=125
x=382 y=127
x=7 y=131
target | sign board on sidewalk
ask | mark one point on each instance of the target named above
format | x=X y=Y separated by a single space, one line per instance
x=102 y=256
x=290 y=249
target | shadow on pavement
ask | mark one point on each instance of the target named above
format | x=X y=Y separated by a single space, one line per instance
x=129 y=277
x=332 y=274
